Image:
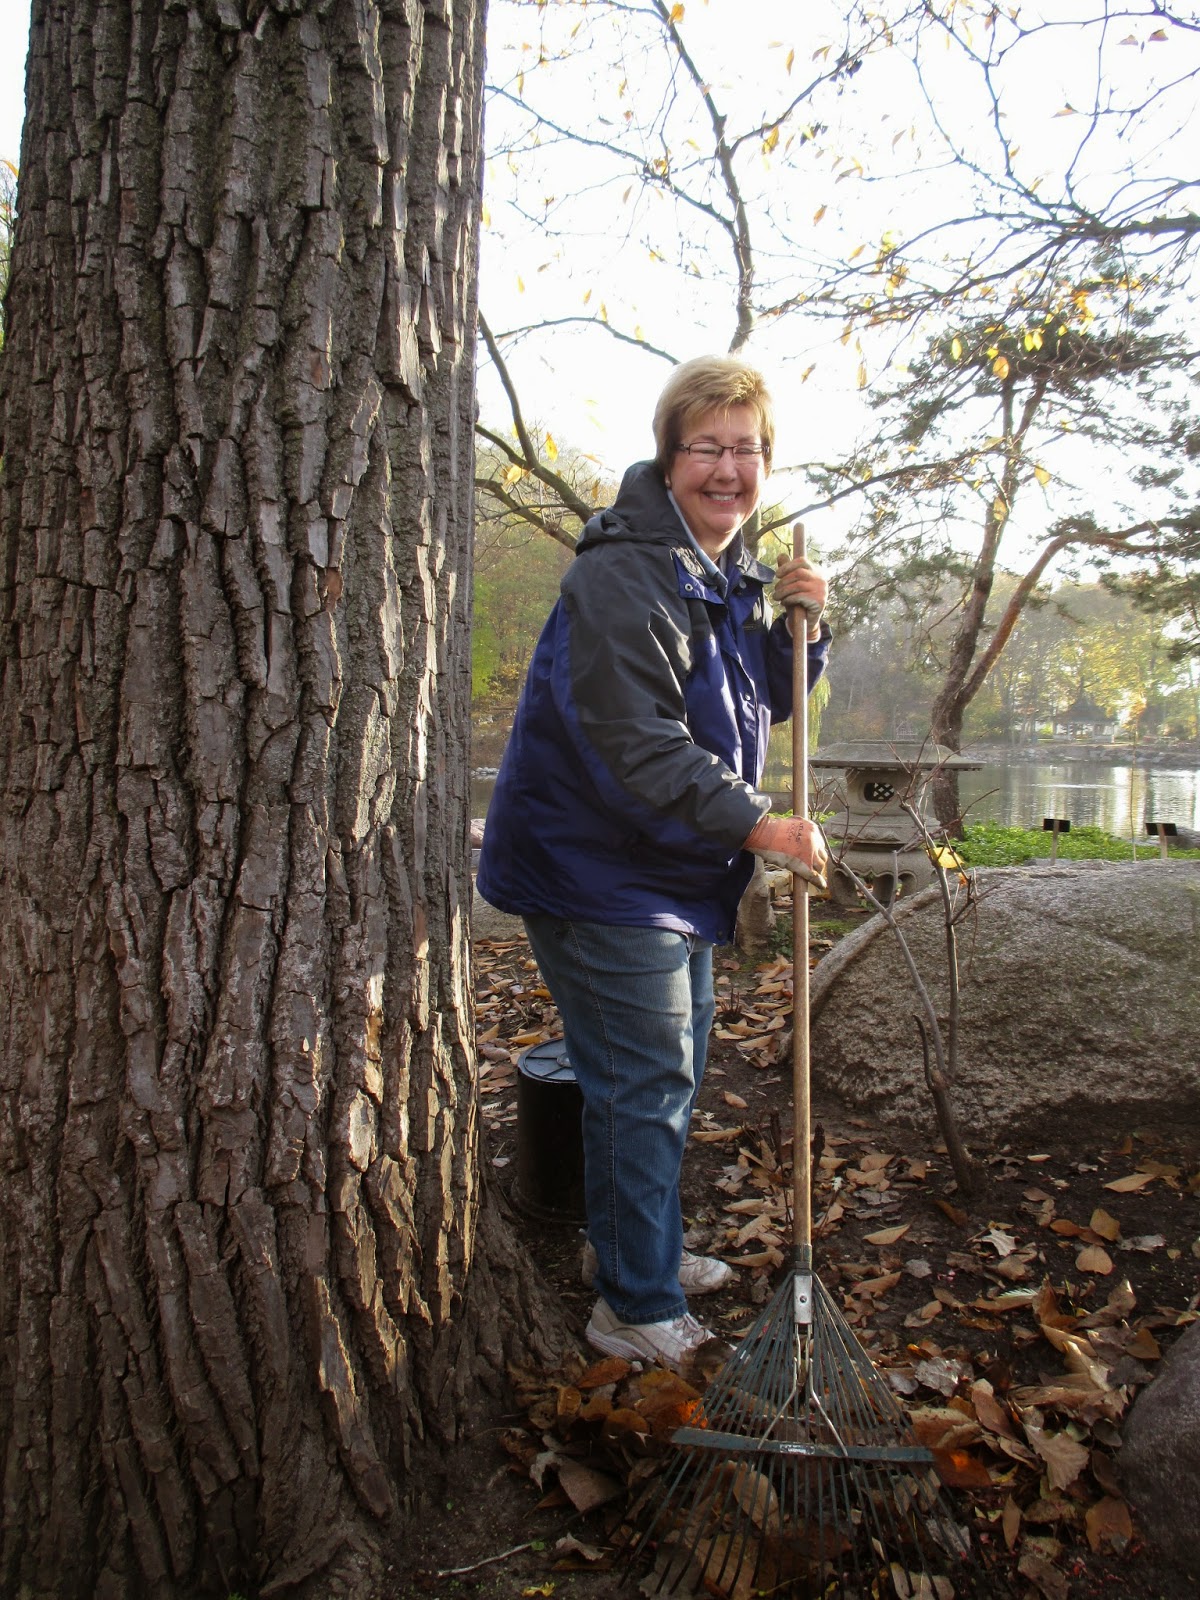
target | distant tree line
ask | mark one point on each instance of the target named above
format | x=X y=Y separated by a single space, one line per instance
x=1075 y=641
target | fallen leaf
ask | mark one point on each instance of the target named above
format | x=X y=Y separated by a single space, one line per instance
x=1144 y=1346
x=756 y=1496
x=734 y=1100
x=992 y=1415
x=1065 y=1458
x=943 y=1427
x=940 y=1374
x=957 y=1217
x=1003 y=1243
x=611 y=1370
x=887 y=1235
x=877 y=1286
x=1129 y=1185
x=1108 y=1524
x=583 y=1486
x=1039 y=1571
x=1094 y=1259
x=926 y=1314
x=770 y=1257
x=874 y=1161
x=1010 y=1521
x=623 y=1421
x=569 y=1545
x=1107 y=1227
x=959 y=1469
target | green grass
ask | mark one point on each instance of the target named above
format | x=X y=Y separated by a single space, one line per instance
x=987 y=844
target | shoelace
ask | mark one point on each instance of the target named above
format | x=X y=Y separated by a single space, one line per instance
x=688 y=1331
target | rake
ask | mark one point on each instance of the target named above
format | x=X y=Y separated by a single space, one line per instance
x=799 y=1473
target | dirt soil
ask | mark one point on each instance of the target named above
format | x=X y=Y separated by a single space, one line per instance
x=1087 y=1235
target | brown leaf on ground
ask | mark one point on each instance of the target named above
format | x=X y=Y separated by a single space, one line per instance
x=1094 y=1259
x=1130 y=1184
x=1050 y=1582
x=1010 y=1522
x=943 y=1427
x=610 y=1370
x=887 y=1235
x=1108 y=1524
x=991 y=1414
x=1065 y=1457
x=1105 y=1225
x=959 y=1469
x=584 y=1486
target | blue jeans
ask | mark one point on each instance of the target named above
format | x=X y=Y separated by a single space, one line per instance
x=636 y=1007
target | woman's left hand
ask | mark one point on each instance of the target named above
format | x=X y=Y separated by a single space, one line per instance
x=799 y=584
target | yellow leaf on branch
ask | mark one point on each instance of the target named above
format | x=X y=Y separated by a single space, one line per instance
x=1000 y=367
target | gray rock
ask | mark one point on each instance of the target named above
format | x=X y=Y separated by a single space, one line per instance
x=1159 y=1460
x=1080 y=988
x=488 y=923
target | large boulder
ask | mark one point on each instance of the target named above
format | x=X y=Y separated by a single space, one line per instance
x=1159 y=1462
x=1080 y=988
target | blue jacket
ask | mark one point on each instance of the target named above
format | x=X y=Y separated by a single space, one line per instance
x=628 y=785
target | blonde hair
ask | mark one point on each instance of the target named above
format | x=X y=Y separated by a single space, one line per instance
x=705 y=384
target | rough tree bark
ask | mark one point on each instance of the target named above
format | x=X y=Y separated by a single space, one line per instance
x=245 y=1268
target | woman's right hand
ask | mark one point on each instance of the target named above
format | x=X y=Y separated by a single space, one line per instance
x=794 y=843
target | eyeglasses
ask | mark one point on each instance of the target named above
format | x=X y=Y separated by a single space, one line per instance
x=711 y=453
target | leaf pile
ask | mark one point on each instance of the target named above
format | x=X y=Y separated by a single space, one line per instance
x=1015 y=1337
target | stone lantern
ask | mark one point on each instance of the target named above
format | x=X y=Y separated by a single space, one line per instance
x=864 y=823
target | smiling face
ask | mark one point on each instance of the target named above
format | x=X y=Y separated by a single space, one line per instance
x=716 y=497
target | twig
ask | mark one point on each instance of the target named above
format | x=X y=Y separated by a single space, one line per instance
x=457 y=1572
x=941 y=1073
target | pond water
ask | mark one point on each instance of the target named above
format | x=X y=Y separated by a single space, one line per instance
x=1120 y=798
x=1115 y=796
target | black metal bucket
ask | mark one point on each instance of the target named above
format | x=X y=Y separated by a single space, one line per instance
x=549 y=1181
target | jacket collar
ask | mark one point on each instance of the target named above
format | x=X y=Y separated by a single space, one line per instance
x=645 y=511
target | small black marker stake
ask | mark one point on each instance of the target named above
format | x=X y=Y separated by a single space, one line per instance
x=1162 y=831
x=1054 y=826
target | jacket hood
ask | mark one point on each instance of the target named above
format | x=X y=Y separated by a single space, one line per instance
x=643 y=513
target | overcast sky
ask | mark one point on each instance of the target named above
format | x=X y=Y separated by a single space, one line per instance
x=14 y=34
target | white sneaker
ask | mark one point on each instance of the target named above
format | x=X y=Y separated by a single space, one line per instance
x=697 y=1274
x=663 y=1344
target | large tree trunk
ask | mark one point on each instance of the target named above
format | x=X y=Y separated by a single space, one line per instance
x=238 y=1129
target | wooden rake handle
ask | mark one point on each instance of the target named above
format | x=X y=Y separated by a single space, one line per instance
x=801 y=1091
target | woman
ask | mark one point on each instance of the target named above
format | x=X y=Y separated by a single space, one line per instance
x=626 y=813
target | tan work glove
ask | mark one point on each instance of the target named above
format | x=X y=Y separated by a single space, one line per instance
x=794 y=843
x=800 y=585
